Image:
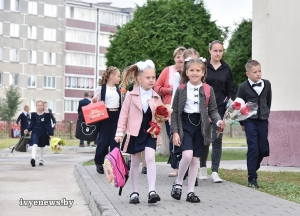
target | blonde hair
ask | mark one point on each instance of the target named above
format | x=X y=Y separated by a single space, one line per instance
x=250 y=64
x=40 y=101
x=189 y=52
x=178 y=51
x=130 y=75
x=184 y=78
x=105 y=76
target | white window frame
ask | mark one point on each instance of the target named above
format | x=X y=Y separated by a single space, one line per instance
x=102 y=61
x=14 y=55
x=104 y=40
x=32 y=32
x=1 y=27
x=72 y=82
x=77 y=36
x=52 y=80
x=32 y=56
x=71 y=106
x=15 y=5
x=52 y=105
x=50 y=10
x=13 y=79
x=49 y=34
x=14 y=30
x=1 y=4
x=49 y=58
x=32 y=105
x=30 y=80
x=81 y=14
x=32 y=7
x=1 y=78
x=79 y=59
x=1 y=53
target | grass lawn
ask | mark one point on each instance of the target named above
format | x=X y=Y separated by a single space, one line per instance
x=281 y=184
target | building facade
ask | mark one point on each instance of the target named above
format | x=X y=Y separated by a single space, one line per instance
x=54 y=50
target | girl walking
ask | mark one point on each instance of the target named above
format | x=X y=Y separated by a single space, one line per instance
x=42 y=131
x=110 y=94
x=137 y=111
x=190 y=124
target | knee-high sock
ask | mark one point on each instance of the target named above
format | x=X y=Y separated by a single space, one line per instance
x=151 y=167
x=42 y=153
x=185 y=161
x=134 y=171
x=33 y=152
x=193 y=170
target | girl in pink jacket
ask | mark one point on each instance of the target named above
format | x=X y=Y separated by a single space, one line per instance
x=137 y=111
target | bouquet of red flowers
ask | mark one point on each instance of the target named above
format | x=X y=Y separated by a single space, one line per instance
x=162 y=114
x=238 y=110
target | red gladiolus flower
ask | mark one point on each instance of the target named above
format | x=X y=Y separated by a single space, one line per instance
x=245 y=110
x=162 y=111
x=236 y=105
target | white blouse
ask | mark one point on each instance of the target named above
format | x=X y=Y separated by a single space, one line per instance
x=192 y=101
x=145 y=96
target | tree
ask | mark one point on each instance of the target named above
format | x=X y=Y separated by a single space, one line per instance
x=10 y=103
x=158 y=28
x=239 y=50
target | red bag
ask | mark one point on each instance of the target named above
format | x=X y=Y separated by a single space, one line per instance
x=94 y=112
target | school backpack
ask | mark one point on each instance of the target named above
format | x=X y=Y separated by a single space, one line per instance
x=206 y=88
x=116 y=170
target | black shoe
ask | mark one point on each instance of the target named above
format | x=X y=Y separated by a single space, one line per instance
x=153 y=198
x=144 y=170
x=176 y=192
x=99 y=169
x=196 y=183
x=41 y=163
x=191 y=197
x=134 y=200
x=252 y=183
x=32 y=162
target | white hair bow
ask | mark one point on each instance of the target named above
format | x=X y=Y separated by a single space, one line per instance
x=146 y=64
x=201 y=59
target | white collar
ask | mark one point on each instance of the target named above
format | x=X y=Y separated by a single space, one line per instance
x=146 y=92
x=251 y=82
x=191 y=86
x=25 y=113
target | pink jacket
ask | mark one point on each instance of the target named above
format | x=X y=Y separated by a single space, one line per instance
x=131 y=115
x=163 y=84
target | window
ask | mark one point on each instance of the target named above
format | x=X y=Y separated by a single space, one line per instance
x=81 y=14
x=80 y=37
x=32 y=7
x=13 y=79
x=80 y=59
x=32 y=57
x=14 y=55
x=50 y=10
x=1 y=53
x=1 y=4
x=52 y=105
x=1 y=27
x=71 y=105
x=1 y=74
x=114 y=19
x=15 y=5
x=104 y=40
x=79 y=82
x=31 y=81
x=49 y=58
x=49 y=82
x=32 y=32
x=49 y=34
x=32 y=106
x=14 y=30
x=102 y=61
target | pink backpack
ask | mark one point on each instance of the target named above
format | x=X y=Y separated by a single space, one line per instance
x=116 y=170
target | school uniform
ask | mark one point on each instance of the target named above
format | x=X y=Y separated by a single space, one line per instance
x=84 y=102
x=108 y=127
x=256 y=126
x=24 y=119
x=138 y=143
x=41 y=128
x=190 y=117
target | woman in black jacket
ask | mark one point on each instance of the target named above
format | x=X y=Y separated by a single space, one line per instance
x=219 y=77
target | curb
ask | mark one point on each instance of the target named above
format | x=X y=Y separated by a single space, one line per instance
x=98 y=204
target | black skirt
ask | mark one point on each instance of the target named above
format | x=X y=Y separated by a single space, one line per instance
x=138 y=144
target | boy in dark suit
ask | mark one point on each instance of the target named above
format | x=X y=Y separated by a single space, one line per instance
x=48 y=110
x=85 y=101
x=24 y=117
x=258 y=91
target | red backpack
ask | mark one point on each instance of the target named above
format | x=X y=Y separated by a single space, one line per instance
x=206 y=88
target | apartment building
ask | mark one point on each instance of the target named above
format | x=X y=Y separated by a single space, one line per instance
x=87 y=30
x=32 y=51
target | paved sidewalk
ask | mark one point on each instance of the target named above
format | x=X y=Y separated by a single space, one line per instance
x=216 y=199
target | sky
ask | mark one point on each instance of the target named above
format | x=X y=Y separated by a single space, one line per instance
x=225 y=12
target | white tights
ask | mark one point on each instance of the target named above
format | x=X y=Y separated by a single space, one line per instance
x=33 y=153
x=186 y=161
x=151 y=169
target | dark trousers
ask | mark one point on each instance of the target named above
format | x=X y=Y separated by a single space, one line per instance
x=106 y=136
x=81 y=142
x=257 y=141
x=175 y=165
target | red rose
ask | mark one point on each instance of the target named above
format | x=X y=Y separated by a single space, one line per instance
x=245 y=110
x=236 y=105
x=162 y=111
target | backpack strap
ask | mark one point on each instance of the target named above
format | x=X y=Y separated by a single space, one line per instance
x=182 y=86
x=206 y=88
x=126 y=173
